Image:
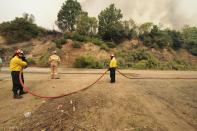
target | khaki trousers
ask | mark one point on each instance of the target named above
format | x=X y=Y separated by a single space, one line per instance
x=54 y=71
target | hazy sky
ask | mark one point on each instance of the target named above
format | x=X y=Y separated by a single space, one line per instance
x=172 y=13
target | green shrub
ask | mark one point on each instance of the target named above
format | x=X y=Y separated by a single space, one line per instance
x=19 y=30
x=76 y=44
x=111 y=44
x=31 y=61
x=87 y=62
x=104 y=63
x=140 y=59
x=79 y=37
x=96 y=41
x=75 y=36
x=139 y=55
x=60 y=42
x=176 y=65
x=194 y=51
x=146 y=64
x=143 y=59
x=104 y=47
x=121 y=63
x=141 y=64
x=153 y=63
x=67 y=36
x=43 y=60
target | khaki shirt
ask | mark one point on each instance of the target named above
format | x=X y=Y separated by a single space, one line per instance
x=54 y=59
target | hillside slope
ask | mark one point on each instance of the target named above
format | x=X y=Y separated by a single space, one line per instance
x=41 y=47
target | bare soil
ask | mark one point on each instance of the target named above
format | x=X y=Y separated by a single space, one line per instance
x=127 y=105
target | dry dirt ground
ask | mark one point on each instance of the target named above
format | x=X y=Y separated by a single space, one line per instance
x=127 y=105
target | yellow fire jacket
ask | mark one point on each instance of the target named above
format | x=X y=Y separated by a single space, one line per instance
x=113 y=63
x=16 y=64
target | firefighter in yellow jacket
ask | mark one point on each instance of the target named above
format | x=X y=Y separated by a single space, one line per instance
x=112 y=68
x=54 y=61
x=16 y=65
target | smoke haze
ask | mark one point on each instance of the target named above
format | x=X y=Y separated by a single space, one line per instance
x=171 y=13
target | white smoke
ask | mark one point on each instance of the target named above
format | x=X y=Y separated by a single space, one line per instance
x=166 y=12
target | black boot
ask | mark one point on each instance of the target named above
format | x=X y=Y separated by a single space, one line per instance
x=16 y=96
x=22 y=93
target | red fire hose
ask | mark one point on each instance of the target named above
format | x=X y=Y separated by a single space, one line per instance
x=153 y=77
x=54 y=97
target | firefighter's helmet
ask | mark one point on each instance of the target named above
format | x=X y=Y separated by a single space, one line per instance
x=18 y=51
x=55 y=52
x=112 y=55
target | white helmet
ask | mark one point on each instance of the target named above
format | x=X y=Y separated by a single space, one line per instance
x=18 y=51
x=112 y=55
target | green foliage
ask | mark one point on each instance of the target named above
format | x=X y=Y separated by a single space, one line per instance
x=110 y=27
x=152 y=63
x=190 y=39
x=86 y=25
x=18 y=30
x=143 y=59
x=194 y=51
x=156 y=38
x=177 y=39
x=160 y=38
x=83 y=25
x=140 y=65
x=31 y=61
x=76 y=36
x=104 y=47
x=129 y=29
x=101 y=43
x=29 y=17
x=140 y=59
x=79 y=37
x=145 y=28
x=76 y=44
x=68 y=14
x=111 y=44
x=96 y=41
x=87 y=62
x=43 y=60
x=93 y=26
x=189 y=33
x=60 y=42
x=175 y=65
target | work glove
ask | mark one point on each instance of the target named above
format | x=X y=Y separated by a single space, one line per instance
x=25 y=60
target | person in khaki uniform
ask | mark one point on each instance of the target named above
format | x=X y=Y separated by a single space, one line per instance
x=54 y=61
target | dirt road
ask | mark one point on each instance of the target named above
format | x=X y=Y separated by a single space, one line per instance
x=127 y=105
